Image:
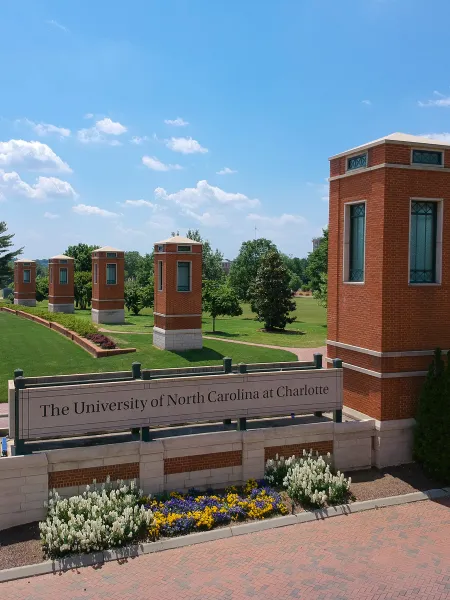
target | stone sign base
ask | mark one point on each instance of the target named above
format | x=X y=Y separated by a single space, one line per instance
x=177 y=339
x=25 y=301
x=116 y=315
x=62 y=308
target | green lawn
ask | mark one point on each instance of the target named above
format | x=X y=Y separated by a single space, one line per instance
x=40 y=351
x=308 y=331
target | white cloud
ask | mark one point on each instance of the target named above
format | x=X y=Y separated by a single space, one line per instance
x=226 y=171
x=443 y=137
x=204 y=193
x=57 y=25
x=208 y=219
x=31 y=155
x=98 y=134
x=185 y=145
x=128 y=231
x=321 y=189
x=83 y=209
x=140 y=203
x=44 y=188
x=88 y=116
x=366 y=102
x=136 y=139
x=275 y=222
x=44 y=129
x=439 y=100
x=49 y=215
x=110 y=127
x=156 y=165
x=178 y=122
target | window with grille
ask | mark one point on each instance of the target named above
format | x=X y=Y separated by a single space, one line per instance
x=26 y=275
x=111 y=255
x=184 y=248
x=95 y=272
x=184 y=277
x=357 y=224
x=427 y=157
x=111 y=274
x=357 y=162
x=422 y=250
x=63 y=279
x=160 y=275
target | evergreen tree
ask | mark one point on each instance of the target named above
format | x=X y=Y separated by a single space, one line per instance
x=271 y=296
x=7 y=255
x=432 y=432
x=245 y=268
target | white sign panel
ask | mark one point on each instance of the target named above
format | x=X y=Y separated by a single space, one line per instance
x=96 y=407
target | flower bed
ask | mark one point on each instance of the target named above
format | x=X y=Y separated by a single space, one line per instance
x=101 y=340
x=180 y=514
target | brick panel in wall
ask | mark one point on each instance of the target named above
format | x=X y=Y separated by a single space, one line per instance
x=297 y=449
x=72 y=477
x=200 y=462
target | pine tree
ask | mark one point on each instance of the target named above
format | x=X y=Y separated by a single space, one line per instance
x=6 y=255
x=432 y=432
x=271 y=296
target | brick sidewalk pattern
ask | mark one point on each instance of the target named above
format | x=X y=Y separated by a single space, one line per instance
x=397 y=552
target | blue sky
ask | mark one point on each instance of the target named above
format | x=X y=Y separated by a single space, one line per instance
x=123 y=121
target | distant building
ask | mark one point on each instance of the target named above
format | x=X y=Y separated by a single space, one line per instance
x=226 y=266
x=316 y=242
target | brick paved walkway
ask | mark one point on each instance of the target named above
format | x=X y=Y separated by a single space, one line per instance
x=399 y=552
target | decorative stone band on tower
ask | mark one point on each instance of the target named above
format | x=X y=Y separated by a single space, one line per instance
x=60 y=284
x=388 y=274
x=178 y=294
x=25 y=282
x=108 y=281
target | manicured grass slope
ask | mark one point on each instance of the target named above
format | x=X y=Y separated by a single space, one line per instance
x=308 y=331
x=40 y=351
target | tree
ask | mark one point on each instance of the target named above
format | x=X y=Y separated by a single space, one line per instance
x=138 y=297
x=211 y=260
x=321 y=294
x=220 y=300
x=7 y=255
x=318 y=264
x=41 y=288
x=271 y=296
x=244 y=269
x=297 y=266
x=432 y=431
x=144 y=275
x=133 y=262
x=82 y=288
x=295 y=282
x=82 y=255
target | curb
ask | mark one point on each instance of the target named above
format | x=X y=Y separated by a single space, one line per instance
x=96 y=558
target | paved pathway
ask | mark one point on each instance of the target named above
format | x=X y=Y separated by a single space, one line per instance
x=398 y=552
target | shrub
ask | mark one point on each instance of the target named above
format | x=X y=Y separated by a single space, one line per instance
x=310 y=481
x=109 y=345
x=81 y=326
x=276 y=470
x=102 y=340
x=105 y=517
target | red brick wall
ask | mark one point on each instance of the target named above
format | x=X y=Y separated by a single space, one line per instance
x=107 y=297
x=60 y=479
x=58 y=293
x=200 y=462
x=297 y=449
x=24 y=291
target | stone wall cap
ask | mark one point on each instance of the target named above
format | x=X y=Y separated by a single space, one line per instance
x=179 y=239
x=107 y=249
x=22 y=260
x=61 y=256
x=402 y=138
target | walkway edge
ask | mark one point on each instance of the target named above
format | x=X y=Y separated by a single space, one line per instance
x=96 y=558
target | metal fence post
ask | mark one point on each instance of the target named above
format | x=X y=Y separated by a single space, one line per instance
x=19 y=384
x=227 y=368
x=318 y=365
x=337 y=364
x=242 y=421
x=136 y=374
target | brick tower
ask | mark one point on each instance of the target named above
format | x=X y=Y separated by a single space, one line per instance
x=178 y=294
x=108 y=282
x=60 y=284
x=25 y=282
x=388 y=278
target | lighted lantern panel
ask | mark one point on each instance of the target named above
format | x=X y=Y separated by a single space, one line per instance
x=108 y=283
x=25 y=282
x=61 y=284
x=178 y=294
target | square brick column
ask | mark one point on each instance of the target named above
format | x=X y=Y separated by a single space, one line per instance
x=61 y=284
x=25 y=282
x=108 y=285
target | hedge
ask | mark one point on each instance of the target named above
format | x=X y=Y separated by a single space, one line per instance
x=81 y=326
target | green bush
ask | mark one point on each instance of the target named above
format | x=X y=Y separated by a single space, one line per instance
x=432 y=432
x=81 y=326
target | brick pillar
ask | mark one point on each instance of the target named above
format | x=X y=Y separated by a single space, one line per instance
x=61 y=284
x=388 y=305
x=25 y=282
x=108 y=282
x=178 y=294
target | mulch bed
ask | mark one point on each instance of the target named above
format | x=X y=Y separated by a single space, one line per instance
x=21 y=545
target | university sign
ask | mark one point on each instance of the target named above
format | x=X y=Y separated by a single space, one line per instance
x=82 y=408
